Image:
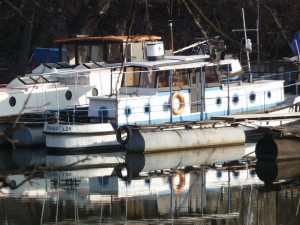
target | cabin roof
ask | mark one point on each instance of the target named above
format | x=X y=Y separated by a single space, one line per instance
x=110 y=38
x=172 y=62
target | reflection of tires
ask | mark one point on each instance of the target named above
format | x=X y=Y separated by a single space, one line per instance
x=124 y=133
x=178 y=188
x=124 y=172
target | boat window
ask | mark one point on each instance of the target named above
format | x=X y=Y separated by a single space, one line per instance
x=180 y=78
x=70 y=53
x=114 y=53
x=39 y=79
x=147 y=108
x=252 y=97
x=68 y=95
x=50 y=79
x=27 y=80
x=146 y=79
x=162 y=78
x=138 y=77
x=210 y=75
x=12 y=101
x=97 y=53
x=83 y=54
x=130 y=79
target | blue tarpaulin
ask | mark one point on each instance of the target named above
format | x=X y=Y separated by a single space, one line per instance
x=295 y=42
x=45 y=55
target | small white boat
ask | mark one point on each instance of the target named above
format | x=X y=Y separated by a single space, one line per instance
x=166 y=89
x=81 y=72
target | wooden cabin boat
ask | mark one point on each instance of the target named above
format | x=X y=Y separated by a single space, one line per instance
x=165 y=89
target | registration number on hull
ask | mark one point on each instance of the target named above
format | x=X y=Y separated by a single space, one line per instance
x=58 y=128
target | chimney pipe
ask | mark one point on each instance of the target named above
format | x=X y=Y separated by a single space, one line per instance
x=171 y=35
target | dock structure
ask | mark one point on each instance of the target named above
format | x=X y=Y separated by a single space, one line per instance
x=256 y=126
x=287 y=130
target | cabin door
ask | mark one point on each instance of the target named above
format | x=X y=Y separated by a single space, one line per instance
x=195 y=91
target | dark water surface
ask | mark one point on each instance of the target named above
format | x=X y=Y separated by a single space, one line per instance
x=86 y=189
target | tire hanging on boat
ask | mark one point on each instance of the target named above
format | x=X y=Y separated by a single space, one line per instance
x=124 y=133
x=180 y=97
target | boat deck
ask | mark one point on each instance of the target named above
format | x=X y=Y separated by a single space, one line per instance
x=287 y=130
x=178 y=125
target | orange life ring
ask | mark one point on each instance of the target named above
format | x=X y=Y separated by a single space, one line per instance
x=180 y=97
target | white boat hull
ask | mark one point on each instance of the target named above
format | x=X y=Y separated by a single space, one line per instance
x=81 y=137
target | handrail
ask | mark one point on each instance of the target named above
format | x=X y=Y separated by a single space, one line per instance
x=103 y=114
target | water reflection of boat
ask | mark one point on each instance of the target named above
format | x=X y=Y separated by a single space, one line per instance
x=136 y=163
x=88 y=186
x=6 y=160
x=274 y=171
x=28 y=157
x=85 y=165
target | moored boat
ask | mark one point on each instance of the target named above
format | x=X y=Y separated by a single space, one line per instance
x=81 y=72
x=168 y=89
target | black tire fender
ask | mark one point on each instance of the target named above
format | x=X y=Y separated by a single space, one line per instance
x=120 y=134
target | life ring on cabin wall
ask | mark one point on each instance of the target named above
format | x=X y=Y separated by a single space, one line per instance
x=180 y=97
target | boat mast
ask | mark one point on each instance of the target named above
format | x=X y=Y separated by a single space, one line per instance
x=248 y=47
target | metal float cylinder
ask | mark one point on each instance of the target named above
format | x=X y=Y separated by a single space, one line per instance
x=178 y=139
x=273 y=149
x=29 y=136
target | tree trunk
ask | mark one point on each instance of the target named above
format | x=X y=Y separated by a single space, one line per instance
x=28 y=15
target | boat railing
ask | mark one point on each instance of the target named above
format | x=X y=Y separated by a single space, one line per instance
x=291 y=79
x=79 y=114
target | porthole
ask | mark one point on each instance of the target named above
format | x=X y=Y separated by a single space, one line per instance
x=147 y=108
x=236 y=174
x=68 y=95
x=269 y=94
x=252 y=173
x=166 y=106
x=103 y=113
x=95 y=92
x=219 y=174
x=12 y=101
x=218 y=101
x=235 y=99
x=128 y=111
x=252 y=97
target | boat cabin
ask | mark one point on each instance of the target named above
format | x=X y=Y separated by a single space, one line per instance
x=109 y=49
x=182 y=88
